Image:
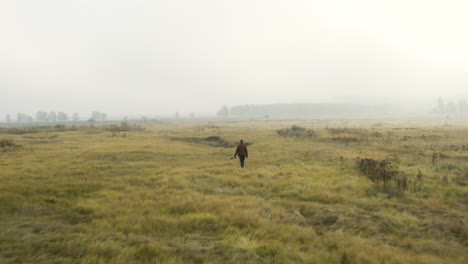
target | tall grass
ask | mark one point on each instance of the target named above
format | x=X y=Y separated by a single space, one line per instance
x=82 y=196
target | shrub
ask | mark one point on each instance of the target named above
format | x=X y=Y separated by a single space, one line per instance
x=461 y=179
x=213 y=141
x=383 y=173
x=435 y=155
x=296 y=131
x=419 y=176
x=345 y=139
x=402 y=182
x=345 y=130
x=124 y=126
x=113 y=128
x=4 y=143
x=378 y=171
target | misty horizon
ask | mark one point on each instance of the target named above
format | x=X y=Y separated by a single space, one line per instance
x=158 y=58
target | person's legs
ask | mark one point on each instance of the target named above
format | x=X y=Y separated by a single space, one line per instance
x=242 y=158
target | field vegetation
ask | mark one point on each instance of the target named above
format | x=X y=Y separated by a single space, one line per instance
x=311 y=192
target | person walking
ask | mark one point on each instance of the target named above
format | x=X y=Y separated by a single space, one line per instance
x=242 y=152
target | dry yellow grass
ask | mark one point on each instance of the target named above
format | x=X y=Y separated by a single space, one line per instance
x=86 y=196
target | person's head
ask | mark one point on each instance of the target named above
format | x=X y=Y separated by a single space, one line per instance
x=242 y=141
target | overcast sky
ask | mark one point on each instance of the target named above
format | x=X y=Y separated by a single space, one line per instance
x=159 y=57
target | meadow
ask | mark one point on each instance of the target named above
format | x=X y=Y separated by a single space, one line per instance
x=169 y=193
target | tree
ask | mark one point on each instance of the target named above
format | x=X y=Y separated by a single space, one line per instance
x=441 y=105
x=52 y=116
x=98 y=116
x=223 y=111
x=8 y=118
x=28 y=119
x=124 y=126
x=42 y=116
x=62 y=117
x=23 y=118
x=451 y=108
x=76 y=117
x=463 y=107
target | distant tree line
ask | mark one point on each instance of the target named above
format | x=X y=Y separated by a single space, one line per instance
x=23 y=118
x=298 y=110
x=53 y=117
x=43 y=116
x=223 y=111
x=451 y=107
x=324 y=109
x=98 y=116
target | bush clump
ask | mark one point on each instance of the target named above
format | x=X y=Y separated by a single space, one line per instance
x=5 y=143
x=345 y=139
x=296 y=131
x=8 y=145
x=377 y=171
x=124 y=127
x=383 y=173
x=213 y=141
x=345 y=130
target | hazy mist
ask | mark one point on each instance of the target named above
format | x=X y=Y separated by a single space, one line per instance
x=159 y=57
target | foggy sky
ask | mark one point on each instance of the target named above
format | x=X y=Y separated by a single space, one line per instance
x=159 y=57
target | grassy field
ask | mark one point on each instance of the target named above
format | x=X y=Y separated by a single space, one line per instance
x=170 y=194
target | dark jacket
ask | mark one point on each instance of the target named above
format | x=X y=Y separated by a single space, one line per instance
x=242 y=151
